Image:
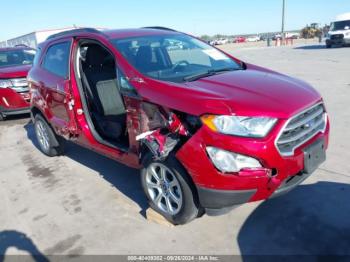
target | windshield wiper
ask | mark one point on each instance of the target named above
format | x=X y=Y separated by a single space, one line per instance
x=207 y=73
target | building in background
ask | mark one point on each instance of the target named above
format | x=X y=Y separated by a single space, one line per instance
x=35 y=38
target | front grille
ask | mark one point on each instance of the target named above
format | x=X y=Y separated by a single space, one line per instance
x=20 y=85
x=301 y=128
x=337 y=37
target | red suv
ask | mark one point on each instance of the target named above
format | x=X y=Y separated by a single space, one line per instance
x=240 y=39
x=207 y=130
x=15 y=63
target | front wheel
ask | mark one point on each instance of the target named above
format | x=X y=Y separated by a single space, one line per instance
x=169 y=190
x=49 y=143
x=328 y=46
x=2 y=118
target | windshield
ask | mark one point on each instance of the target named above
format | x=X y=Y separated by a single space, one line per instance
x=340 y=25
x=173 y=58
x=16 y=57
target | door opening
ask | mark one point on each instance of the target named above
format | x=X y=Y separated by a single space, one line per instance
x=101 y=93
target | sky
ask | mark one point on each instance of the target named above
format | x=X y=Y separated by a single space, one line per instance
x=197 y=17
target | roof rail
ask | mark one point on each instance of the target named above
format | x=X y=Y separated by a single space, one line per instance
x=78 y=30
x=22 y=45
x=160 y=28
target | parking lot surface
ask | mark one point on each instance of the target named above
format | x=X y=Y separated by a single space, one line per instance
x=84 y=203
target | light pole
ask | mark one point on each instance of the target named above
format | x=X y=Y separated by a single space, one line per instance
x=283 y=10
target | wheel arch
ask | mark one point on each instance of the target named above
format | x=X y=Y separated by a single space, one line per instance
x=34 y=111
x=146 y=153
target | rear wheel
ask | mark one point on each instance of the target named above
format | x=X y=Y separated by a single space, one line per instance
x=49 y=143
x=169 y=190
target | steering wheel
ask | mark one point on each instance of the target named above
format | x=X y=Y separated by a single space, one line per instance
x=181 y=62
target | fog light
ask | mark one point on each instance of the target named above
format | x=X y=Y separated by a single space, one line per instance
x=228 y=162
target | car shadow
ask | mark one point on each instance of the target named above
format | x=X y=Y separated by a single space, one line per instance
x=311 y=47
x=312 y=219
x=123 y=178
x=15 y=239
x=15 y=119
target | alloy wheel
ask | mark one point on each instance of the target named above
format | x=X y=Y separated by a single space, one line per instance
x=42 y=135
x=164 y=188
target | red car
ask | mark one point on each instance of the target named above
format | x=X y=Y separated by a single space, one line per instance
x=240 y=39
x=15 y=63
x=207 y=130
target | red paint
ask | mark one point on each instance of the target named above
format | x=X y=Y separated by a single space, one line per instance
x=11 y=101
x=193 y=156
x=240 y=39
x=252 y=92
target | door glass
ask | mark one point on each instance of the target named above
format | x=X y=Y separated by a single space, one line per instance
x=57 y=58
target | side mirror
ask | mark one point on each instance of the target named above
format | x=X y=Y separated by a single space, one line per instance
x=346 y=27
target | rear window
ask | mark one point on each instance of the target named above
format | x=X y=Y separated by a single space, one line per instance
x=57 y=58
x=16 y=57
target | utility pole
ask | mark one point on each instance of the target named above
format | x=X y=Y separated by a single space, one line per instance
x=283 y=11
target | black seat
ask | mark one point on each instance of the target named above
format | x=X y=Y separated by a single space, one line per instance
x=150 y=59
x=144 y=59
x=106 y=103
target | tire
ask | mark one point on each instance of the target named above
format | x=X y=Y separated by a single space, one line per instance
x=2 y=118
x=49 y=143
x=328 y=46
x=181 y=187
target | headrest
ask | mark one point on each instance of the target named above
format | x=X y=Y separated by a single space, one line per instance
x=95 y=55
x=145 y=52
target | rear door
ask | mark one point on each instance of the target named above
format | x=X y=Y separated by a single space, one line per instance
x=57 y=85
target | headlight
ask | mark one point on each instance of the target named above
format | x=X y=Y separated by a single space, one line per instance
x=240 y=125
x=5 y=83
x=229 y=162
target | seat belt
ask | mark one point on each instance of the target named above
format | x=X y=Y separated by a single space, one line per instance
x=86 y=85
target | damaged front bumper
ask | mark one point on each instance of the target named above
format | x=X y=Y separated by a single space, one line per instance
x=218 y=192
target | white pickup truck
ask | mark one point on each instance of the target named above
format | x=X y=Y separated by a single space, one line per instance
x=339 y=32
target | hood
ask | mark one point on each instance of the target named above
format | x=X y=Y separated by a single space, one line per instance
x=14 y=71
x=252 y=92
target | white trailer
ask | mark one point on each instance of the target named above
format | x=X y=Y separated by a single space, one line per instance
x=34 y=38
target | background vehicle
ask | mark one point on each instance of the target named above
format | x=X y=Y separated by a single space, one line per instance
x=293 y=35
x=312 y=31
x=15 y=63
x=196 y=121
x=277 y=36
x=253 y=39
x=240 y=39
x=263 y=37
x=339 y=31
x=221 y=41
